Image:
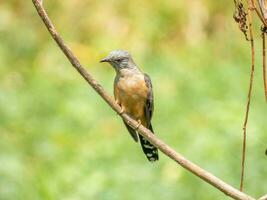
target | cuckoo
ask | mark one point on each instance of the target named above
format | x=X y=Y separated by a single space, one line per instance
x=133 y=92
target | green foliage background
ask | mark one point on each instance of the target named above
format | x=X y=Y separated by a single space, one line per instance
x=59 y=140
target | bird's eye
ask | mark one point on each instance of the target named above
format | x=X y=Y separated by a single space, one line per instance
x=119 y=59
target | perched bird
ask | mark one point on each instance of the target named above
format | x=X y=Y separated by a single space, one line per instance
x=133 y=92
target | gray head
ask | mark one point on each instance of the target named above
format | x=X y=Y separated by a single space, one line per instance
x=119 y=59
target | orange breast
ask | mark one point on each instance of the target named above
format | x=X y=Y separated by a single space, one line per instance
x=131 y=92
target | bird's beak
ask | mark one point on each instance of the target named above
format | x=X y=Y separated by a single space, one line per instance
x=105 y=60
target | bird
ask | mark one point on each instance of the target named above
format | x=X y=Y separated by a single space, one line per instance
x=133 y=92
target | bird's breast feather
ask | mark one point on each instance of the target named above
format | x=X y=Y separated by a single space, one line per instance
x=132 y=87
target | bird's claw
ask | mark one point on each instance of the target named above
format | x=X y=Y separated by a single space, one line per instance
x=138 y=125
x=121 y=109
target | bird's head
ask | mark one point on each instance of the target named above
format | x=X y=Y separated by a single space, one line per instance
x=119 y=59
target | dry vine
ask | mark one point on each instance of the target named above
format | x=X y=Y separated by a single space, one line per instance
x=164 y=148
x=244 y=18
x=264 y=30
x=263 y=17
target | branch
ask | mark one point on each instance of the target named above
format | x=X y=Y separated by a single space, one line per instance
x=264 y=64
x=164 y=148
x=263 y=198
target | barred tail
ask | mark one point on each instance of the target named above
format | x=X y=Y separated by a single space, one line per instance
x=150 y=151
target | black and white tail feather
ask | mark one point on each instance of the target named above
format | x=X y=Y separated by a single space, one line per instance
x=150 y=150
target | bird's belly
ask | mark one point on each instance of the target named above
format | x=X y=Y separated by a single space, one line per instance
x=133 y=105
x=132 y=95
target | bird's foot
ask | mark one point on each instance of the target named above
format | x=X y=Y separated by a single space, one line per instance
x=121 y=110
x=138 y=125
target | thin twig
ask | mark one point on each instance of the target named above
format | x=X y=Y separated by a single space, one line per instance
x=264 y=64
x=249 y=96
x=262 y=5
x=190 y=166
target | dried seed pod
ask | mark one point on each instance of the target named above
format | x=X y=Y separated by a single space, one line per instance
x=240 y=16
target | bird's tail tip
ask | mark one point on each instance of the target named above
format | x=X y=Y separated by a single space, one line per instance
x=149 y=150
x=153 y=158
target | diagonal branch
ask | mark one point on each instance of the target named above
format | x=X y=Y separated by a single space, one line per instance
x=263 y=197
x=190 y=166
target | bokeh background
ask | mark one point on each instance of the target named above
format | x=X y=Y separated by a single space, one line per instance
x=59 y=140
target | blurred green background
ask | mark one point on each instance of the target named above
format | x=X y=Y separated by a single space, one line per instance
x=58 y=138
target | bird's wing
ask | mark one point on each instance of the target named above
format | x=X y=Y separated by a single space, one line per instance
x=150 y=150
x=149 y=107
x=132 y=132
